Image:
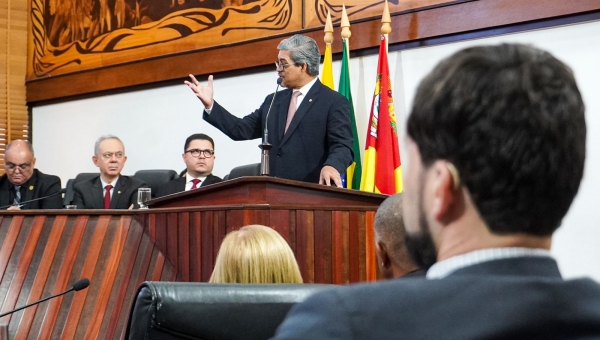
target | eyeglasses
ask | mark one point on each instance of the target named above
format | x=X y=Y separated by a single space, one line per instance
x=109 y=155
x=197 y=152
x=12 y=167
x=282 y=66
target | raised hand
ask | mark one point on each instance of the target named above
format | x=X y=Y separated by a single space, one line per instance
x=204 y=93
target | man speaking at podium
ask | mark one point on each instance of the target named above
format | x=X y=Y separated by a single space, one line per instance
x=308 y=124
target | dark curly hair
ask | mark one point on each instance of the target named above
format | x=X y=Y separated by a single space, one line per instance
x=511 y=119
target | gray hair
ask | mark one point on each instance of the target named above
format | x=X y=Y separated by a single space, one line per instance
x=27 y=144
x=303 y=50
x=103 y=138
x=389 y=227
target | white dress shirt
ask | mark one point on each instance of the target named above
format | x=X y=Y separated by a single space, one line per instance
x=444 y=268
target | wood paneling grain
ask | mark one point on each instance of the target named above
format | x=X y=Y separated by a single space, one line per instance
x=44 y=252
x=53 y=252
x=468 y=20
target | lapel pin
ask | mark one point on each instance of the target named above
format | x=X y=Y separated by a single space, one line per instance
x=310 y=100
x=118 y=192
x=31 y=187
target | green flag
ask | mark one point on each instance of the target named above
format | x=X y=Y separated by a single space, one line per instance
x=354 y=171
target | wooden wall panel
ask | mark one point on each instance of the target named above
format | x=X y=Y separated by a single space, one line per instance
x=468 y=20
x=45 y=254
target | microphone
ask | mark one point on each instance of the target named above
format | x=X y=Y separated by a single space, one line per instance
x=266 y=132
x=77 y=286
x=265 y=146
x=61 y=191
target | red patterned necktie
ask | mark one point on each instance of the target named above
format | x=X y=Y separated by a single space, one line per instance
x=107 y=196
x=292 y=109
x=196 y=182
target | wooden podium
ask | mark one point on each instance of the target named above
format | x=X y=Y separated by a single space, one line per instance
x=329 y=229
x=43 y=252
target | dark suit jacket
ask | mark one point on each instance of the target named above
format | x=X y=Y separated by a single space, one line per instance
x=89 y=194
x=319 y=134
x=39 y=185
x=178 y=185
x=519 y=298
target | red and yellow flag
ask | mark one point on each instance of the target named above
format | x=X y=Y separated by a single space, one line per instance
x=382 y=169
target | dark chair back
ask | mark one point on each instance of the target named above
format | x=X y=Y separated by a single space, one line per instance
x=245 y=170
x=191 y=310
x=154 y=178
x=69 y=194
x=68 y=197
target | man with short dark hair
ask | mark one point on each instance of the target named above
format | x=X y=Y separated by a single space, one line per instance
x=496 y=143
x=309 y=124
x=110 y=189
x=199 y=158
x=392 y=256
x=22 y=182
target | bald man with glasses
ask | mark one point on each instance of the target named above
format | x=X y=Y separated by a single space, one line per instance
x=22 y=182
x=199 y=158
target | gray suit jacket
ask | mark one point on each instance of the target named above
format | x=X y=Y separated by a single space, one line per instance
x=319 y=134
x=520 y=298
x=89 y=194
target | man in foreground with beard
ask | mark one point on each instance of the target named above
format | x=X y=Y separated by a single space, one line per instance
x=496 y=141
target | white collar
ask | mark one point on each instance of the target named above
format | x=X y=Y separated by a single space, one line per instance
x=446 y=267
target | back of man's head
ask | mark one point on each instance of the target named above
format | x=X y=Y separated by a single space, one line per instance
x=392 y=255
x=511 y=120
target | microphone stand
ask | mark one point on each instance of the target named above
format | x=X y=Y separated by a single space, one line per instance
x=265 y=146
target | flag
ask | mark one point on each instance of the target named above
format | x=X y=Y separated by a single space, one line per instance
x=382 y=166
x=327 y=74
x=353 y=173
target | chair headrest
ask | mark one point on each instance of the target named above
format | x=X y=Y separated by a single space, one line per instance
x=214 y=311
x=245 y=170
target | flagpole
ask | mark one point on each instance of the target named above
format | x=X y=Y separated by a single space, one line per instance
x=328 y=30
x=386 y=24
x=327 y=74
x=345 y=29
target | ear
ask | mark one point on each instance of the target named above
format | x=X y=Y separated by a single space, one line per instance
x=384 y=257
x=33 y=163
x=95 y=160
x=446 y=189
x=124 y=159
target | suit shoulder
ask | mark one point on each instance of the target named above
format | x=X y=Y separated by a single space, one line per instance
x=85 y=183
x=214 y=179
x=47 y=177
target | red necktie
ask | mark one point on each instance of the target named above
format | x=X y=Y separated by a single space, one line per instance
x=196 y=182
x=107 y=196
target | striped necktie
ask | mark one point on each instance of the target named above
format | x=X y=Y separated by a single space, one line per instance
x=17 y=200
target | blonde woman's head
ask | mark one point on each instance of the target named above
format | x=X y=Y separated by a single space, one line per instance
x=255 y=254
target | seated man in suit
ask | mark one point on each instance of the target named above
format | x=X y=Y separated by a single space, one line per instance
x=22 y=182
x=496 y=142
x=110 y=190
x=199 y=158
x=392 y=256
x=309 y=123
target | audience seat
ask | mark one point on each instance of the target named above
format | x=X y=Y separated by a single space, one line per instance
x=191 y=310
x=154 y=178
x=245 y=170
